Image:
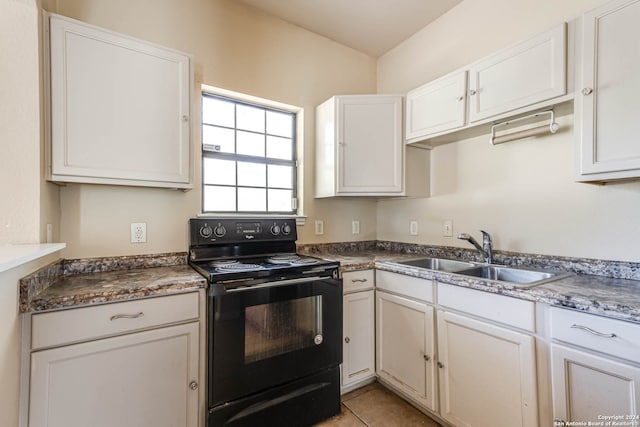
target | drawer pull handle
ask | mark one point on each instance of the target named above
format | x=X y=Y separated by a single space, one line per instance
x=358 y=280
x=594 y=332
x=126 y=316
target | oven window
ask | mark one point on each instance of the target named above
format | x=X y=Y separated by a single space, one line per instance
x=281 y=327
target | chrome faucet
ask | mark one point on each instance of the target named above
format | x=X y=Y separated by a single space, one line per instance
x=486 y=250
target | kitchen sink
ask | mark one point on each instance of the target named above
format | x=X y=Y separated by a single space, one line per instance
x=521 y=278
x=438 y=264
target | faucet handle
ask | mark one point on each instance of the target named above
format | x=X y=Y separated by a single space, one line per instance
x=485 y=236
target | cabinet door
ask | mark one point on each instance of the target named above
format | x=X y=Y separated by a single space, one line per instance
x=358 y=328
x=140 y=379
x=405 y=346
x=119 y=108
x=436 y=107
x=487 y=374
x=607 y=107
x=587 y=386
x=370 y=147
x=524 y=74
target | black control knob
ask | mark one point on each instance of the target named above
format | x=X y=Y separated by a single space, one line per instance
x=286 y=229
x=206 y=231
x=275 y=229
x=220 y=231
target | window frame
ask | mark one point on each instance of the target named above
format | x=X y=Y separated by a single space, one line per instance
x=266 y=106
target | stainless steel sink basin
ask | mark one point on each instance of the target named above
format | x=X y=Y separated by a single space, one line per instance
x=438 y=264
x=522 y=278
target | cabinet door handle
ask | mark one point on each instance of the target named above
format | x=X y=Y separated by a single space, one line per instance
x=426 y=357
x=193 y=385
x=358 y=280
x=587 y=91
x=347 y=340
x=126 y=316
x=472 y=92
x=460 y=98
x=594 y=332
x=440 y=365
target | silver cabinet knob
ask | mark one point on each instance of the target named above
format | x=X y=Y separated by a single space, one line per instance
x=426 y=357
x=587 y=91
x=460 y=98
x=347 y=340
x=472 y=92
x=193 y=385
x=440 y=365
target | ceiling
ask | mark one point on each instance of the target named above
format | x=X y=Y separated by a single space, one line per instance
x=370 y=26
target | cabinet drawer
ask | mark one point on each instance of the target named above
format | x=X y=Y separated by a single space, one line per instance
x=413 y=287
x=499 y=308
x=357 y=280
x=87 y=323
x=596 y=333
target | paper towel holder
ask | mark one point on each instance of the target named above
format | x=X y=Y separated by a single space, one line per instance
x=552 y=127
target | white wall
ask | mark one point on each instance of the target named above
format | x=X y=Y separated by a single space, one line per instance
x=235 y=48
x=522 y=192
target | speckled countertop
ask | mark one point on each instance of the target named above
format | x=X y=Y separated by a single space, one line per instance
x=70 y=283
x=607 y=288
x=598 y=287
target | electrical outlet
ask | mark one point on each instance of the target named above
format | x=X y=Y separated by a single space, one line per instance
x=319 y=227
x=355 y=226
x=413 y=228
x=138 y=232
x=447 y=228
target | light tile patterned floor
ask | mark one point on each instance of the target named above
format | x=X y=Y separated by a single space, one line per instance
x=375 y=406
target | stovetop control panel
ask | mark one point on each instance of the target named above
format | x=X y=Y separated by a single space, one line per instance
x=214 y=231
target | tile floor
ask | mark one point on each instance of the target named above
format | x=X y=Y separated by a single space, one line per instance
x=374 y=405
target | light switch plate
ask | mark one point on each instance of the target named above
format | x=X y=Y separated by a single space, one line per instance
x=413 y=228
x=355 y=226
x=447 y=228
x=319 y=227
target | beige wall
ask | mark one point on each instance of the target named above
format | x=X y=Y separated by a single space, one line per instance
x=522 y=192
x=19 y=123
x=235 y=48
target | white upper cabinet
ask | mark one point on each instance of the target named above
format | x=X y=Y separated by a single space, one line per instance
x=527 y=76
x=437 y=106
x=119 y=108
x=359 y=146
x=607 y=82
x=524 y=74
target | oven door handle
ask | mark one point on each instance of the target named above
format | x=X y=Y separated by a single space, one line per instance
x=277 y=283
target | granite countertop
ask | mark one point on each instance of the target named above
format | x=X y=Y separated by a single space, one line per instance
x=615 y=297
x=71 y=283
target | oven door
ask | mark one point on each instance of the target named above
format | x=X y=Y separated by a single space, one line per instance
x=273 y=333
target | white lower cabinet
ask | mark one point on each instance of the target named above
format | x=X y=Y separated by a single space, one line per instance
x=486 y=359
x=358 y=327
x=587 y=387
x=148 y=377
x=358 y=360
x=487 y=373
x=405 y=347
x=596 y=368
x=405 y=336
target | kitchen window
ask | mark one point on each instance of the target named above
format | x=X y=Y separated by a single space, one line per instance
x=248 y=157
